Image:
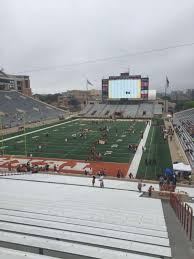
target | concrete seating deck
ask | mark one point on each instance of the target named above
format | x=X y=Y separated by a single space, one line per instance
x=71 y=219
x=14 y=254
x=143 y=110
x=12 y=104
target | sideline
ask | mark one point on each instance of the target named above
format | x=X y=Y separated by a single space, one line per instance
x=38 y=130
x=150 y=144
x=138 y=154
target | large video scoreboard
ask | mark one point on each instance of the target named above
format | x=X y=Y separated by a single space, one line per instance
x=125 y=87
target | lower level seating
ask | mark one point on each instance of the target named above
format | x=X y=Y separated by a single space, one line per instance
x=143 y=110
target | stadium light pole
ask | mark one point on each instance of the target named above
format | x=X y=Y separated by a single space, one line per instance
x=24 y=125
x=1 y=128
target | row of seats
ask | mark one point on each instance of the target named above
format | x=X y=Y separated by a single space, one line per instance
x=14 y=105
x=143 y=110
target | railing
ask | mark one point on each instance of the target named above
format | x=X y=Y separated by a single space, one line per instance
x=184 y=213
x=168 y=187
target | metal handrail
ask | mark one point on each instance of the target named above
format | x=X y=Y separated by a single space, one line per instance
x=184 y=213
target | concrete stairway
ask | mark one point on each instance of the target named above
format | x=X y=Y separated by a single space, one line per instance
x=180 y=245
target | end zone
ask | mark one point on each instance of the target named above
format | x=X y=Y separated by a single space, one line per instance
x=65 y=166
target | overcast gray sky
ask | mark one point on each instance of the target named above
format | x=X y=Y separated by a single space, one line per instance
x=54 y=34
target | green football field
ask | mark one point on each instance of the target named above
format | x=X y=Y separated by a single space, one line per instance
x=156 y=157
x=52 y=140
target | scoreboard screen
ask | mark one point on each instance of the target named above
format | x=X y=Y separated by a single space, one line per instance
x=124 y=88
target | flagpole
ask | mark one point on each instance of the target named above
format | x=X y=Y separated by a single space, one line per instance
x=87 y=91
x=165 y=99
x=88 y=83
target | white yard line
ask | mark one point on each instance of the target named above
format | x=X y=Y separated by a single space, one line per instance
x=149 y=152
x=32 y=132
x=137 y=157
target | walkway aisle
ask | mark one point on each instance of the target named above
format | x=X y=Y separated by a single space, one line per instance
x=138 y=154
x=181 y=247
x=175 y=149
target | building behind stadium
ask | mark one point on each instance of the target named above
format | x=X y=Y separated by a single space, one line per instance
x=20 y=83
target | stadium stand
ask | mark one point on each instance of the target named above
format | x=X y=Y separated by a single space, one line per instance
x=143 y=110
x=157 y=109
x=130 y=111
x=184 y=126
x=107 y=228
x=86 y=109
x=13 y=104
x=6 y=253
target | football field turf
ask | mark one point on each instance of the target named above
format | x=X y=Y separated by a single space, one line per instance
x=156 y=157
x=52 y=140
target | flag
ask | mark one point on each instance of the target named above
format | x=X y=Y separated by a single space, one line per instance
x=167 y=82
x=89 y=83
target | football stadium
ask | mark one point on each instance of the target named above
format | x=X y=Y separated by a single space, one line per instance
x=110 y=135
x=113 y=180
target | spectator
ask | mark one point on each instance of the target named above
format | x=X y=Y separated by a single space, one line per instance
x=47 y=167
x=118 y=174
x=150 y=191
x=101 y=179
x=139 y=185
x=90 y=171
x=174 y=179
x=165 y=180
x=28 y=163
x=93 y=180
x=146 y=161
x=161 y=182
x=9 y=166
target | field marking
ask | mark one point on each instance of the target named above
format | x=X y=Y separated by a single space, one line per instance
x=114 y=146
x=138 y=154
x=35 y=137
x=20 y=141
x=119 y=140
x=108 y=153
x=149 y=150
x=32 y=132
